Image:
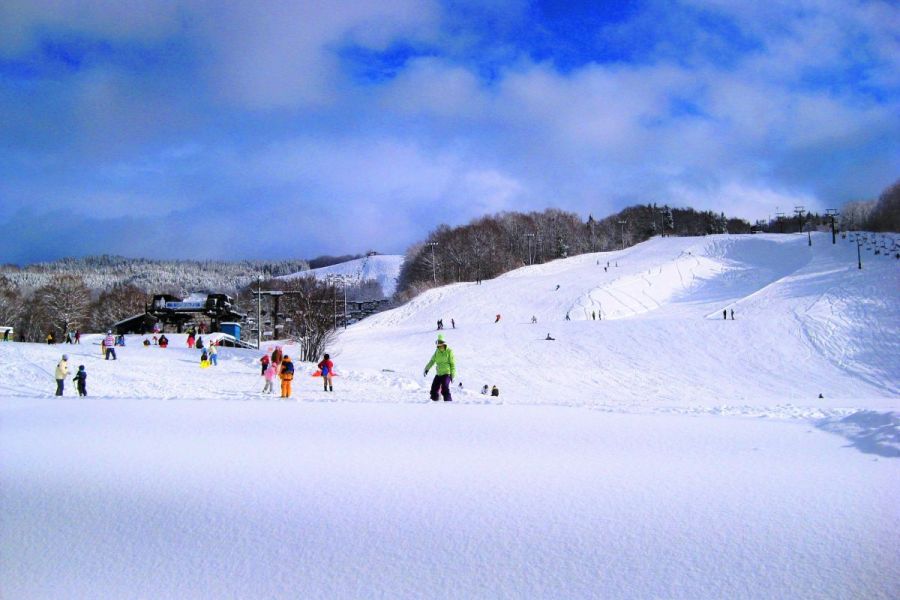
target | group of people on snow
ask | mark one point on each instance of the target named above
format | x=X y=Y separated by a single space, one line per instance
x=62 y=371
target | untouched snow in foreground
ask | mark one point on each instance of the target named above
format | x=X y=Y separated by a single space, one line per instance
x=660 y=453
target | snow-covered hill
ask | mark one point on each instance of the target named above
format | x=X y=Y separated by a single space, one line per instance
x=383 y=268
x=806 y=322
x=624 y=459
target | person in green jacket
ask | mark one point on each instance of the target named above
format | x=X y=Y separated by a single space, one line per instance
x=446 y=370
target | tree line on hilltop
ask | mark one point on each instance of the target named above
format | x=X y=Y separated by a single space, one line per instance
x=492 y=245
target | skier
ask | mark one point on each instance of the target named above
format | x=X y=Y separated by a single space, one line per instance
x=725 y=313
x=497 y=320
x=495 y=391
x=453 y=323
x=533 y=319
x=109 y=344
x=81 y=380
x=327 y=368
x=446 y=369
x=62 y=370
x=732 y=314
x=264 y=364
x=287 y=375
x=557 y=286
x=593 y=315
x=213 y=355
x=568 y=318
x=270 y=372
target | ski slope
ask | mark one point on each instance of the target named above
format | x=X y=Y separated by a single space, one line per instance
x=383 y=268
x=807 y=322
x=659 y=453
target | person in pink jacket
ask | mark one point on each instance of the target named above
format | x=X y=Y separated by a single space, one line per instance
x=270 y=374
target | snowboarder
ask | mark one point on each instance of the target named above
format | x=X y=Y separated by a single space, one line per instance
x=62 y=370
x=327 y=368
x=109 y=345
x=495 y=391
x=287 y=375
x=264 y=364
x=81 y=380
x=725 y=313
x=213 y=355
x=446 y=369
x=270 y=373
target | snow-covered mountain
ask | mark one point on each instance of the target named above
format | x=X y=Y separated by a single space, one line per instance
x=661 y=452
x=383 y=268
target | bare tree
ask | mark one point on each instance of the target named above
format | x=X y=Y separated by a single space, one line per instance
x=64 y=303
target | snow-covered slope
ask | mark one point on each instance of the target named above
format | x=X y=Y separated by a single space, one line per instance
x=806 y=321
x=625 y=459
x=384 y=268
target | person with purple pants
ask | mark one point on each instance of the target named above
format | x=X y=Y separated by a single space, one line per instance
x=442 y=359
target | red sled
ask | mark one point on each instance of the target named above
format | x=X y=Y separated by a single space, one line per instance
x=319 y=374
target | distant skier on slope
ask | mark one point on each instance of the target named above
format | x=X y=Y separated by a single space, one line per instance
x=497 y=319
x=445 y=372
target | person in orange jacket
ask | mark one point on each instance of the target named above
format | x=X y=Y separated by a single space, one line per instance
x=287 y=375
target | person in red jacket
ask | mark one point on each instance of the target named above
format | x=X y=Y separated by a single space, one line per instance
x=327 y=368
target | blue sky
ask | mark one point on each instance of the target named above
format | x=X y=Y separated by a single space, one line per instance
x=285 y=129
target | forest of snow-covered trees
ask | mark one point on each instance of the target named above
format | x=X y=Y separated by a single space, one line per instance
x=177 y=277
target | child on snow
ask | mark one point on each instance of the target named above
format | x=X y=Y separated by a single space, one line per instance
x=287 y=375
x=81 y=380
x=270 y=372
x=327 y=368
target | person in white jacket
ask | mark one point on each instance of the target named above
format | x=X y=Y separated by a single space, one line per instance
x=62 y=371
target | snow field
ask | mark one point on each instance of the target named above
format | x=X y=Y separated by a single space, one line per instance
x=659 y=453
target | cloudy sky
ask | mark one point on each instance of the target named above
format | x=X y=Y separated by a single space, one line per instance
x=248 y=129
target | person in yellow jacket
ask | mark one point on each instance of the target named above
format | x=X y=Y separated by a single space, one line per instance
x=62 y=371
x=287 y=375
x=445 y=371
